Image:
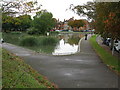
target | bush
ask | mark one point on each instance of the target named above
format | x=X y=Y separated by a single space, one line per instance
x=16 y=32
x=33 y=31
x=54 y=32
x=29 y=41
x=48 y=41
x=11 y=38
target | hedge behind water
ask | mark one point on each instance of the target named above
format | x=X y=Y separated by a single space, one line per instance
x=29 y=41
x=48 y=41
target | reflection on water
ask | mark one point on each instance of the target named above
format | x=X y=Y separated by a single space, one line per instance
x=64 y=48
x=68 y=44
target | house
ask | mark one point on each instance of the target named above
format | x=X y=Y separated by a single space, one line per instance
x=64 y=25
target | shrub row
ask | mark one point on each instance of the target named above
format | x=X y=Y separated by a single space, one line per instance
x=33 y=41
x=28 y=41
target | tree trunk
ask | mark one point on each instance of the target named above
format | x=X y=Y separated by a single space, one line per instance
x=112 y=45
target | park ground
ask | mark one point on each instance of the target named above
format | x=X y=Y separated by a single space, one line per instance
x=82 y=70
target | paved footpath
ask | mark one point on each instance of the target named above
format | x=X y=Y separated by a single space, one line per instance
x=82 y=70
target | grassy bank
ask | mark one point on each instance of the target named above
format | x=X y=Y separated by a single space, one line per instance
x=17 y=74
x=111 y=61
x=13 y=38
x=42 y=44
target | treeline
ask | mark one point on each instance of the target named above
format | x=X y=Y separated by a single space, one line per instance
x=16 y=16
x=21 y=23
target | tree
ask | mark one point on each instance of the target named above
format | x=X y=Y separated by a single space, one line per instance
x=7 y=23
x=87 y=10
x=15 y=14
x=106 y=16
x=20 y=23
x=0 y=19
x=25 y=22
x=43 y=21
x=111 y=20
x=19 y=7
x=76 y=23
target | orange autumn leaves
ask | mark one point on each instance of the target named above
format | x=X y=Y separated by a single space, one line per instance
x=112 y=24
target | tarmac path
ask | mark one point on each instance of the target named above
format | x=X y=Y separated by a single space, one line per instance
x=82 y=70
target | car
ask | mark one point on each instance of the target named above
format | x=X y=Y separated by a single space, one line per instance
x=70 y=31
x=65 y=30
x=52 y=30
x=93 y=30
x=85 y=30
x=57 y=30
x=81 y=30
x=117 y=46
x=1 y=40
x=108 y=42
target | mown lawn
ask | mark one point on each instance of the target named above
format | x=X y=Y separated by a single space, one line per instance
x=111 y=61
x=17 y=74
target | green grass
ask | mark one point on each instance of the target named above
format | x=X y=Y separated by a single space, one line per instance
x=13 y=37
x=42 y=44
x=17 y=74
x=111 y=61
x=28 y=41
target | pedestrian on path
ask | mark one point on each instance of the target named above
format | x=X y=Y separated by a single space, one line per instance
x=85 y=36
x=2 y=41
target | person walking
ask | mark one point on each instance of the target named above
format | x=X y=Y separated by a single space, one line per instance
x=85 y=36
x=2 y=41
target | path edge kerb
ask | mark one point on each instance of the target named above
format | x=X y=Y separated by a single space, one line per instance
x=79 y=44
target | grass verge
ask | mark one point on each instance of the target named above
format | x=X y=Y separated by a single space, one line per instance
x=111 y=61
x=17 y=74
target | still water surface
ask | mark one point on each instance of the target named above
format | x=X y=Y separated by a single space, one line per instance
x=68 y=44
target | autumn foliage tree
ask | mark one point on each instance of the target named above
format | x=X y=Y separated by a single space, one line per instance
x=108 y=20
x=105 y=17
x=76 y=23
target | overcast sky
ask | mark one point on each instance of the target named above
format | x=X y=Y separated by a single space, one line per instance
x=58 y=8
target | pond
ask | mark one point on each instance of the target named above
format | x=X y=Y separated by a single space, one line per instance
x=68 y=44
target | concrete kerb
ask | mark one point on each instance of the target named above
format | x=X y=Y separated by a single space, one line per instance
x=79 y=43
x=79 y=46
